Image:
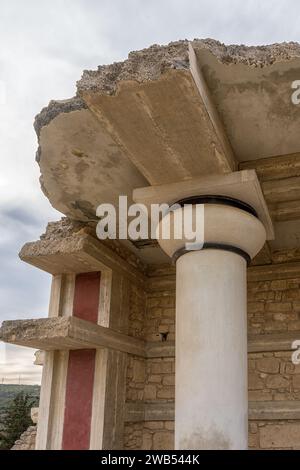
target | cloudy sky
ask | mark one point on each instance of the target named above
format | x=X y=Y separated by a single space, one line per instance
x=44 y=46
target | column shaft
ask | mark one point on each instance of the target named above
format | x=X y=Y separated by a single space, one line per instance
x=211 y=407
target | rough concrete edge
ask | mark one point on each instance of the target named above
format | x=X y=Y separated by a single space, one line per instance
x=24 y=331
x=67 y=234
x=55 y=108
x=150 y=63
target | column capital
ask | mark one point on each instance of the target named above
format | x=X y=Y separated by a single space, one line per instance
x=222 y=227
x=235 y=214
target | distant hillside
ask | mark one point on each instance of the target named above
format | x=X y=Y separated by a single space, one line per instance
x=9 y=391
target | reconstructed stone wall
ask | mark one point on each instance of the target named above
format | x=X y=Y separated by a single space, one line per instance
x=274 y=435
x=273 y=308
x=272 y=376
x=153 y=380
x=150 y=435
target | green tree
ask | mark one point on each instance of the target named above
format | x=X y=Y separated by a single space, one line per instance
x=17 y=419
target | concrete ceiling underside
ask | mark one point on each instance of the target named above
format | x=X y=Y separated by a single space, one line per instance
x=172 y=113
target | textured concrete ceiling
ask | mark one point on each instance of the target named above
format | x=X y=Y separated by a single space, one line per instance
x=170 y=113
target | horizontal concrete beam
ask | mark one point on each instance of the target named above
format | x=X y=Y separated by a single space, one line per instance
x=281 y=190
x=140 y=411
x=274 y=168
x=271 y=272
x=63 y=333
x=268 y=343
x=280 y=178
x=258 y=411
x=225 y=154
x=77 y=253
x=267 y=272
x=287 y=210
x=256 y=344
x=160 y=349
x=274 y=410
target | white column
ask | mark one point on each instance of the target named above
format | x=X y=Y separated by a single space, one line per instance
x=211 y=407
x=211 y=404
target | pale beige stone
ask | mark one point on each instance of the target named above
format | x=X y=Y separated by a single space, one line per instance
x=254 y=382
x=161 y=368
x=277 y=307
x=280 y=436
x=277 y=381
x=169 y=380
x=150 y=392
x=170 y=425
x=147 y=441
x=163 y=441
x=296 y=382
x=166 y=392
x=155 y=378
x=279 y=285
x=268 y=365
x=139 y=371
x=253 y=441
x=154 y=425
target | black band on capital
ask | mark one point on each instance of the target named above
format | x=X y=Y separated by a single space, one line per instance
x=214 y=199
x=214 y=246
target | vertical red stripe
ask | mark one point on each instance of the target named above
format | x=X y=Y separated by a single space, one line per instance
x=86 y=296
x=81 y=368
x=79 y=395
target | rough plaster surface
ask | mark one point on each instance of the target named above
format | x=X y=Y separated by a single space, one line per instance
x=151 y=63
x=54 y=108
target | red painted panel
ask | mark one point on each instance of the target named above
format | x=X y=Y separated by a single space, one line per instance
x=86 y=297
x=79 y=395
x=81 y=368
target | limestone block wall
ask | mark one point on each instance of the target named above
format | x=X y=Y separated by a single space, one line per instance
x=150 y=435
x=274 y=435
x=272 y=376
x=153 y=380
x=273 y=308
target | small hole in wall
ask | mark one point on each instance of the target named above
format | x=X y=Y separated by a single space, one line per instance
x=164 y=336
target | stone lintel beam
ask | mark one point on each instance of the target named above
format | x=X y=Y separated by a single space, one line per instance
x=225 y=154
x=281 y=268
x=76 y=253
x=272 y=342
x=66 y=333
x=280 y=178
x=272 y=272
x=274 y=168
x=267 y=410
x=256 y=344
x=140 y=411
